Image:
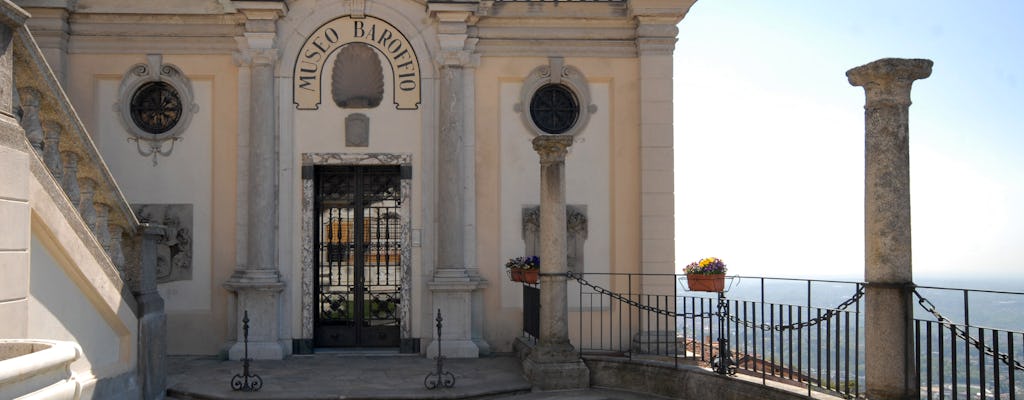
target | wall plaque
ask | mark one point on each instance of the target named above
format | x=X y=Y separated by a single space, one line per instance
x=333 y=35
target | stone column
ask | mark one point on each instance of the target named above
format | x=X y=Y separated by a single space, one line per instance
x=891 y=372
x=258 y=283
x=152 y=372
x=553 y=363
x=455 y=278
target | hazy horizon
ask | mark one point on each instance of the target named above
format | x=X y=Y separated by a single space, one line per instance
x=770 y=135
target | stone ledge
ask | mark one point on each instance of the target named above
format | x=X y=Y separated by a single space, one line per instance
x=685 y=381
x=32 y=366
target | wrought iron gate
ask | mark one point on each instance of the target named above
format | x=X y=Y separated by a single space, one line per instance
x=358 y=256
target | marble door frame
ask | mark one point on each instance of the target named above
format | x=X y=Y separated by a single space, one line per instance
x=314 y=159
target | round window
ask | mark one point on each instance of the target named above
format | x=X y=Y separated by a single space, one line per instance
x=554 y=109
x=156 y=107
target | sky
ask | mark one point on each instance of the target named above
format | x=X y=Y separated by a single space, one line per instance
x=769 y=134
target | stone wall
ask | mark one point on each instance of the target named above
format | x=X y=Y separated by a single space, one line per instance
x=685 y=382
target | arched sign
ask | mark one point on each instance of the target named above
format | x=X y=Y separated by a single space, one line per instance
x=333 y=35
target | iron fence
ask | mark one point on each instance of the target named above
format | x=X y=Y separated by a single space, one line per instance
x=961 y=353
x=801 y=332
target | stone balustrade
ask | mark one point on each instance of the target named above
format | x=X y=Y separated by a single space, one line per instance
x=61 y=141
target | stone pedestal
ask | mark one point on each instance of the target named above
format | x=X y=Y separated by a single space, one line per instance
x=452 y=291
x=152 y=370
x=890 y=367
x=554 y=363
x=257 y=292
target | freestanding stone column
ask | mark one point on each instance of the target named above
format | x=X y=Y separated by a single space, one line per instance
x=257 y=283
x=554 y=364
x=890 y=369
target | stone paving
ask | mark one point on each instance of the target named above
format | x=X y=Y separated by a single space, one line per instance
x=354 y=376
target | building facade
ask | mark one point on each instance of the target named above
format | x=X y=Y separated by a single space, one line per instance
x=340 y=171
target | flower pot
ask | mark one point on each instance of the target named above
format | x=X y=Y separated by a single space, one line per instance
x=706 y=283
x=524 y=275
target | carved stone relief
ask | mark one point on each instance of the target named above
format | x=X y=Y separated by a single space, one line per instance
x=358 y=80
x=174 y=252
x=576 y=233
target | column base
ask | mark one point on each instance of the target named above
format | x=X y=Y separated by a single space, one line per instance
x=257 y=292
x=454 y=349
x=257 y=351
x=554 y=375
x=451 y=292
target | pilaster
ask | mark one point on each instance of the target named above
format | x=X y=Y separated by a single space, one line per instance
x=655 y=42
x=257 y=283
x=456 y=277
x=890 y=359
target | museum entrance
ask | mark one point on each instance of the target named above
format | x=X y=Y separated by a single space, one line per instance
x=357 y=256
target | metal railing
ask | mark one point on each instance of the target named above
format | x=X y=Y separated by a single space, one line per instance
x=802 y=332
x=961 y=354
x=559 y=1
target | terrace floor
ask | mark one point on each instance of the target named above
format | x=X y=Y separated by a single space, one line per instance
x=362 y=375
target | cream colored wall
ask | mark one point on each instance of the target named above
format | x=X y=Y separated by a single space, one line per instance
x=323 y=131
x=200 y=171
x=58 y=310
x=71 y=296
x=602 y=172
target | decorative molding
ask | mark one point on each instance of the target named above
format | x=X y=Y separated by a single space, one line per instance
x=576 y=233
x=358 y=79
x=135 y=79
x=357 y=130
x=375 y=32
x=556 y=73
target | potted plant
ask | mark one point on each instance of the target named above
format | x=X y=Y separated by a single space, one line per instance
x=524 y=269
x=706 y=275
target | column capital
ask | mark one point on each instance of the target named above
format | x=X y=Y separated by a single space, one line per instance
x=453 y=22
x=256 y=56
x=552 y=148
x=264 y=9
x=888 y=80
x=674 y=9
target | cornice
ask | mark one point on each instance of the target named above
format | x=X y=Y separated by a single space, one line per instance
x=542 y=10
x=557 y=48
